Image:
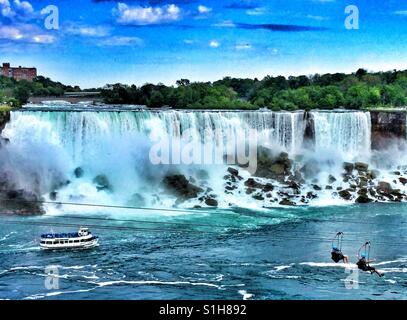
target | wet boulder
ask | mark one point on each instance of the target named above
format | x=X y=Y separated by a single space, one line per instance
x=180 y=186
x=277 y=169
x=233 y=171
x=270 y=168
x=293 y=185
x=311 y=195
x=251 y=183
x=331 y=179
x=384 y=187
x=361 y=166
x=287 y=202
x=258 y=196
x=345 y=194
x=348 y=166
x=102 y=183
x=268 y=187
x=211 y=202
x=397 y=195
x=363 y=198
x=230 y=188
x=372 y=192
x=362 y=182
x=403 y=181
x=78 y=172
x=53 y=195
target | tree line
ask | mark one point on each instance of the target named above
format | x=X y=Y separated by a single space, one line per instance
x=16 y=93
x=359 y=90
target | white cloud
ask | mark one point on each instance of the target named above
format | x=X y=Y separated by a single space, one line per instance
x=256 y=11
x=5 y=9
x=23 y=7
x=20 y=9
x=25 y=33
x=10 y=33
x=225 y=24
x=42 y=38
x=121 y=41
x=317 y=18
x=401 y=13
x=88 y=31
x=146 y=15
x=189 y=42
x=274 y=51
x=243 y=46
x=214 y=44
x=204 y=10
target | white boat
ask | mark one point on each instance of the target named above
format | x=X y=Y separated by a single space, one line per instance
x=83 y=239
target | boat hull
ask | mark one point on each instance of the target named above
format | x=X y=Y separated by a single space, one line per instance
x=67 y=246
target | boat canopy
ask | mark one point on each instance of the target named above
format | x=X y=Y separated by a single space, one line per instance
x=60 y=235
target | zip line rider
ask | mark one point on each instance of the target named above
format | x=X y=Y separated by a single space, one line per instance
x=364 y=262
x=336 y=253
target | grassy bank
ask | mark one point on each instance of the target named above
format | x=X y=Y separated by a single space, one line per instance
x=5 y=108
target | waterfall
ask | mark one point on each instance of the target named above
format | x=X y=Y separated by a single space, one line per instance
x=105 y=156
x=77 y=131
x=47 y=146
x=347 y=133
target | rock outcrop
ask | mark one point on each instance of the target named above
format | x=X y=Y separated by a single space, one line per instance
x=4 y=118
x=20 y=202
x=387 y=127
x=180 y=186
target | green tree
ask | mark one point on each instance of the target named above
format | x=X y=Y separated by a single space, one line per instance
x=22 y=94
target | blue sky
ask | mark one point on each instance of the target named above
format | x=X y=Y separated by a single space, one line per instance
x=139 y=41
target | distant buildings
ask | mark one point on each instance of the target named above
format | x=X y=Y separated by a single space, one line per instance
x=19 y=73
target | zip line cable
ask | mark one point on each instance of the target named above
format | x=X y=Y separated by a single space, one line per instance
x=106 y=206
x=118 y=228
x=228 y=227
x=226 y=211
x=129 y=228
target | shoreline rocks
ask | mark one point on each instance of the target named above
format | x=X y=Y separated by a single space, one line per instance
x=20 y=202
x=180 y=186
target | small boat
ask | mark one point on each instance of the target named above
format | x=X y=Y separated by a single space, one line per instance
x=83 y=239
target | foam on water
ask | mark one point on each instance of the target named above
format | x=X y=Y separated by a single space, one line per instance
x=116 y=145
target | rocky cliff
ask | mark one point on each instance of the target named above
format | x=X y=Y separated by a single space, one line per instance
x=386 y=126
x=4 y=118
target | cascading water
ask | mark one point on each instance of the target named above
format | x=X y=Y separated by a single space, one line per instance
x=104 y=157
x=345 y=132
x=113 y=147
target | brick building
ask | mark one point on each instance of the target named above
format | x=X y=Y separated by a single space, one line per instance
x=19 y=73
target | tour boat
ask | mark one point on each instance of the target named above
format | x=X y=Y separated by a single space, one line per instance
x=83 y=239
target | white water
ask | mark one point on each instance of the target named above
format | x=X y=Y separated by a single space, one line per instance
x=344 y=133
x=46 y=146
